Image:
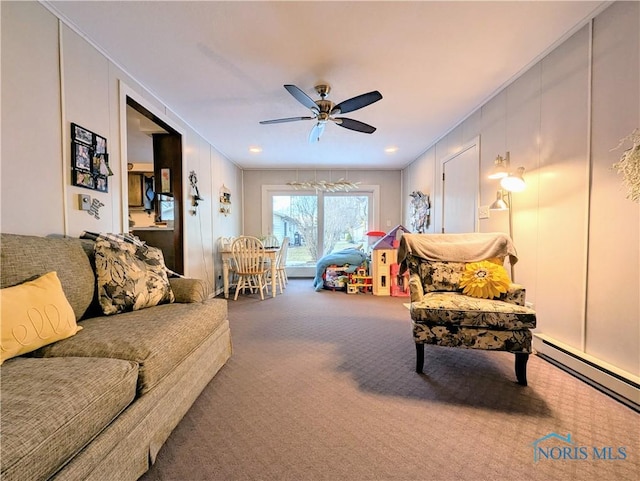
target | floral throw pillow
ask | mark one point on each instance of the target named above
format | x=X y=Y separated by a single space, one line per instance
x=486 y=279
x=130 y=276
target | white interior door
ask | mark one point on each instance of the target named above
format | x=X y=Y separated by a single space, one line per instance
x=460 y=190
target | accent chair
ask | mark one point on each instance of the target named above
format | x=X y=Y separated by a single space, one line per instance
x=447 y=273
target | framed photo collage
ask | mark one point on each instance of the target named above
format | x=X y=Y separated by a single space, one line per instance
x=89 y=159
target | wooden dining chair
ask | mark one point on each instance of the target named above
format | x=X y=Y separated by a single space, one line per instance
x=280 y=261
x=224 y=245
x=250 y=264
x=270 y=241
x=281 y=264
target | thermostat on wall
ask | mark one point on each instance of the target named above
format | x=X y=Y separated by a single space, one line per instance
x=85 y=201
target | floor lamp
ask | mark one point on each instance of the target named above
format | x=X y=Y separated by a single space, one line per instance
x=503 y=202
x=510 y=182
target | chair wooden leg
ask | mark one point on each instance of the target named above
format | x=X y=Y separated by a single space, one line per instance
x=419 y=357
x=521 y=367
x=239 y=285
x=261 y=287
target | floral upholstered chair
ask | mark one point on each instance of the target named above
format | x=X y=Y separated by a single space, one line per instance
x=461 y=295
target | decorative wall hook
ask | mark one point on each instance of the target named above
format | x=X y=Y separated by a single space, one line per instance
x=420 y=211
x=195 y=194
x=225 y=200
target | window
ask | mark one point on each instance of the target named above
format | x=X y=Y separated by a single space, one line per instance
x=296 y=216
x=317 y=223
x=346 y=221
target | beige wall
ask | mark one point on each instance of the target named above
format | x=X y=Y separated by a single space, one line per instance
x=32 y=174
x=577 y=235
x=41 y=96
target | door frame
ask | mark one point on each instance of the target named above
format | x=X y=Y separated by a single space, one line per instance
x=125 y=91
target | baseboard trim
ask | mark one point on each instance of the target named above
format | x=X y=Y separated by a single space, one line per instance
x=619 y=384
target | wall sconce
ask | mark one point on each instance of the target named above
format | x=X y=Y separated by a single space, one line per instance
x=514 y=182
x=500 y=167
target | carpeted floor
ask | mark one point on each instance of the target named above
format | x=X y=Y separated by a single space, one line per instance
x=321 y=386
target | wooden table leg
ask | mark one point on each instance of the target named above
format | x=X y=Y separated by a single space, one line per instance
x=273 y=276
x=225 y=277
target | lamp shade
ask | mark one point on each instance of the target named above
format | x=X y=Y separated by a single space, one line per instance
x=499 y=203
x=500 y=167
x=514 y=182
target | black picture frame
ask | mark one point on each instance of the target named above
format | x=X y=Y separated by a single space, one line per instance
x=89 y=159
x=82 y=155
x=100 y=144
x=84 y=179
x=101 y=183
x=80 y=134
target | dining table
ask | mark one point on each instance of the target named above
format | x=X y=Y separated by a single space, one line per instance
x=270 y=252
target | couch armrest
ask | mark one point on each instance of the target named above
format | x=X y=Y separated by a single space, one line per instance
x=415 y=288
x=189 y=290
x=515 y=295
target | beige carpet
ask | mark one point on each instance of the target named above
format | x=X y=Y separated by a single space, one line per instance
x=321 y=386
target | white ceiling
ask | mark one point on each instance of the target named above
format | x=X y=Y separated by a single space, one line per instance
x=221 y=67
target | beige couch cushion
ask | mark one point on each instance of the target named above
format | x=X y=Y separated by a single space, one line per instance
x=26 y=257
x=52 y=408
x=157 y=338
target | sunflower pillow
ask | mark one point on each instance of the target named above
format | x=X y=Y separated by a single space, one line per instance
x=486 y=279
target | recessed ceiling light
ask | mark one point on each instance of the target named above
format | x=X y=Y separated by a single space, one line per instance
x=255 y=150
x=391 y=150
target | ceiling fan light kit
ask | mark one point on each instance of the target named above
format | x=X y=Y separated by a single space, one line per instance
x=324 y=110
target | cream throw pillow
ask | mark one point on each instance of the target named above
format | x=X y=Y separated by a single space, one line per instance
x=34 y=314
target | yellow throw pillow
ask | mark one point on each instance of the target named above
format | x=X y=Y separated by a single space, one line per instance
x=485 y=279
x=34 y=314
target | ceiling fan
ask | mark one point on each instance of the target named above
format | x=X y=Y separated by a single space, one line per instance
x=324 y=110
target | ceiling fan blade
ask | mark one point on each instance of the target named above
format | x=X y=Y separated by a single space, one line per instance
x=357 y=102
x=316 y=132
x=301 y=97
x=354 y=125
x=288 y=119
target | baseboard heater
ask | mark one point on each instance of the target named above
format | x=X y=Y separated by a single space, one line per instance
x=620 y=385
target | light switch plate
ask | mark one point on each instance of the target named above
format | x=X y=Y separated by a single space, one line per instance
x=483 y=212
